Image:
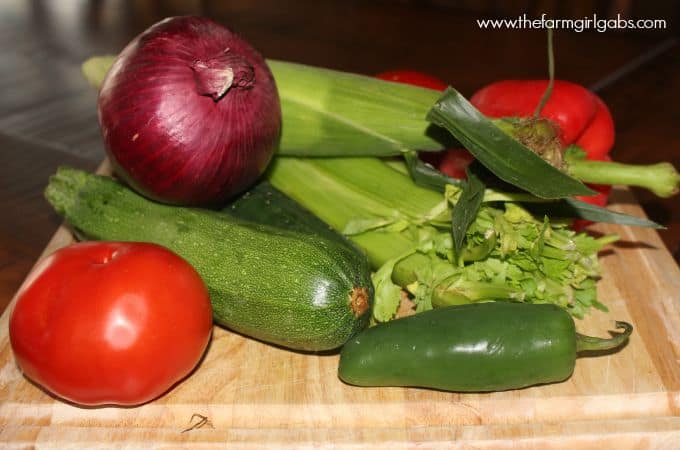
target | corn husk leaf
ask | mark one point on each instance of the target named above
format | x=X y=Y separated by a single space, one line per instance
x=506 y=157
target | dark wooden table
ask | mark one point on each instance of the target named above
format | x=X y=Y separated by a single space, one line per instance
x=48 y=114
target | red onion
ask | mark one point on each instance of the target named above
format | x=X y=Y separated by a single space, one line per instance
x=189 y=112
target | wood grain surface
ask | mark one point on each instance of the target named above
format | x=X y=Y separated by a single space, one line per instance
x=247 y=394
x=253 y=395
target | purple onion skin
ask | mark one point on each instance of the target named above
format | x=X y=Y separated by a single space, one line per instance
x=171 y=131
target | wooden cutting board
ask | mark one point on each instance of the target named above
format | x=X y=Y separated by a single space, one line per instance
x=251 y=395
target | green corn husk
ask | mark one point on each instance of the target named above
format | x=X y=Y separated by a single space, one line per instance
x=350 y=115
x=405 y=231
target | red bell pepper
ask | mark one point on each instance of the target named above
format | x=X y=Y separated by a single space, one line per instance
x=582 y=117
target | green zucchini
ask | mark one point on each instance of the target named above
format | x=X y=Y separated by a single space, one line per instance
x=292 y=289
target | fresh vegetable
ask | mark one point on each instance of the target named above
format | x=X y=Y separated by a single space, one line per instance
x=332 y=113
x=516 y=164
x=189 y=112
x=405 y=231
x=471 y=348
x=110 y=322
x=581 y=116
x=292 y=289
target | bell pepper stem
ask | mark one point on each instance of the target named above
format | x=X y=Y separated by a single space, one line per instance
x=551 y=76
x=592 y=343
x=662 y=178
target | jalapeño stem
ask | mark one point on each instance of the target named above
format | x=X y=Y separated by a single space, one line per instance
x=591 y=343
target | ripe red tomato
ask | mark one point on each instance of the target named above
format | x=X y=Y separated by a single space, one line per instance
x=119 y=323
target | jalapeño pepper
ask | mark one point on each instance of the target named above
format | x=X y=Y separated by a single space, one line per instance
x=471 y=348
